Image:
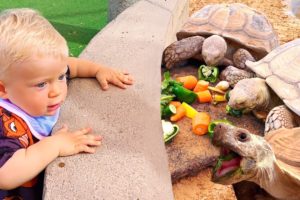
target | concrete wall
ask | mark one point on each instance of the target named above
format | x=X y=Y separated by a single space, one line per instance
x=132 y=162
x=118 y=6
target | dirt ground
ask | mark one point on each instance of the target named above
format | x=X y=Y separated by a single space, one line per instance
x=286 y=26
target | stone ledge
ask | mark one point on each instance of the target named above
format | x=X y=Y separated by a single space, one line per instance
x=132 y=162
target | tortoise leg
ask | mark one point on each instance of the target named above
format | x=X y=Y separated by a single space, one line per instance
x=279 y=117
x=226 y=62
x=240 y=57
x=233 y=75
x=182 y=50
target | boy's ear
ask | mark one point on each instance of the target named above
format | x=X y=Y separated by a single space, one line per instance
x=3 y=93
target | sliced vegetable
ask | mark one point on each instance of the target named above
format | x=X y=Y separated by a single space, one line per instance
x=213 y=124
x=180 y=113
x=175 y=103
x=216 y=90
x=200 y=123
x=223 y=85
x=233 y=112
x=190 y=111
x=168 y=111
x=201 y=86
x=165 y=99
x=168 y=84
x=204 y=96
x=189 y=82
x=183 y=94
x=169 y=130
x=219 y=98
x=208 y=73
x=170 y=137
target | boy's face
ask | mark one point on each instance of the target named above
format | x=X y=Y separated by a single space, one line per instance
x=38 y=85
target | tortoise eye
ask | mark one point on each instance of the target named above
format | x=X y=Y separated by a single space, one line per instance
x=243 y=137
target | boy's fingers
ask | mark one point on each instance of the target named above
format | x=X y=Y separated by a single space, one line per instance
x=83 y=131
x=87 y=149
x=127 y=79
x=119 y=83
x=94 y=142
x=91 y=139
x=103 y=83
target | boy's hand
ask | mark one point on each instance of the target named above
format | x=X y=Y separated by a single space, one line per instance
x=77 y=141
x=107 y=75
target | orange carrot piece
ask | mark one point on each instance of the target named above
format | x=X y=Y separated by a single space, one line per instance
x=204 y=96
x=200 y=123
x=201 y=86
x=189 y=82
x=175 y=103
x=180 y=113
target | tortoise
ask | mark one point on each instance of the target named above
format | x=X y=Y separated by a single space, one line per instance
x=275 y=96
x=272 y=161
x=223 y=34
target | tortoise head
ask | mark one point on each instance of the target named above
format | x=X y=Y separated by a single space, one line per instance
x=249 y=94
x=243 y=155
x=213 y=50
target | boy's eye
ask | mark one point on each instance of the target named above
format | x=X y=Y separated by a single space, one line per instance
x=41 y=85
x=62 y=77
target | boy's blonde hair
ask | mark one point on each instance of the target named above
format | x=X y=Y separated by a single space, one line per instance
x=23 y=33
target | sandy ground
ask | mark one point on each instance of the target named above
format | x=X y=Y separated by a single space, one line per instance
x=286 y=26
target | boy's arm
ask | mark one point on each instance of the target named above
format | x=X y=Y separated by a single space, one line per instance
x=104 y=75
x=25 y=164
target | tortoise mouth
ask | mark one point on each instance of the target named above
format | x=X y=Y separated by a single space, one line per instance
x=227 y=164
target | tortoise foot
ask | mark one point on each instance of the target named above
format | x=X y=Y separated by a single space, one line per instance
x=233 y=75
x=182 y=50
x=240 y=57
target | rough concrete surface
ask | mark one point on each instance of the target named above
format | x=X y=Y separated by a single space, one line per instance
x=132 y=162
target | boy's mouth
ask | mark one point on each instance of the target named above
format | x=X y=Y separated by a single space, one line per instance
x=53 y=107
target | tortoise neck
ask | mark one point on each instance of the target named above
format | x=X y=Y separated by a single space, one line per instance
x=279 y=184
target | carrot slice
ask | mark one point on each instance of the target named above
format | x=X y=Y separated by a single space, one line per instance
x=189 y=82
x=200 y=123
x=180 y=113
x=175 y=103
x=204 y=96
x=201 y=86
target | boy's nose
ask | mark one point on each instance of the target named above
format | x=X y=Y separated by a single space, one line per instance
x=54 y=91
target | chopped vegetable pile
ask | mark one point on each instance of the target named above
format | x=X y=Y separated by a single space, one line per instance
x=177 y=97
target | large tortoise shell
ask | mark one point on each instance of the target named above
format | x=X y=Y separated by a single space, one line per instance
x=235 y=22
x=285 y=145
x=281 y=69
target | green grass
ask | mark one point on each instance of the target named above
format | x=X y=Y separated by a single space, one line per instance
x=77 y=20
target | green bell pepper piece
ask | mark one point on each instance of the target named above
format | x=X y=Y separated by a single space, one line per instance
x=167 y=111
x=227 y=157
x=213 y=124
x=227 y=95
x=183 y=94
x=208 y=73
x=233 y=112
